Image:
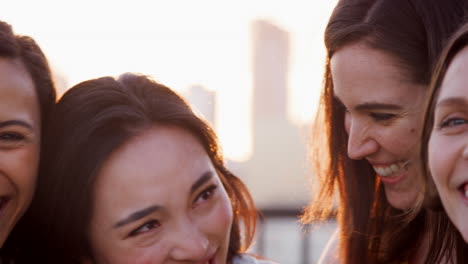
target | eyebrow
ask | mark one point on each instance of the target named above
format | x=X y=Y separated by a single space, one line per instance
x=15 y=122
x=377 y=106
x=137 y=215
x=370 y=106
x=450 y=101
x=202 y=180
x=149 y=210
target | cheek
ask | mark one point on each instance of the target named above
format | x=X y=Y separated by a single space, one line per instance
x=438 y=160
x=22 y=166
x=109 y=249
x=219 y=221
x=400 y=139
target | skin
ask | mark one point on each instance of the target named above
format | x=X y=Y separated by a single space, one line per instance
x=448 y=144
x=185 y=213
x=383 y=113
x=19 y=142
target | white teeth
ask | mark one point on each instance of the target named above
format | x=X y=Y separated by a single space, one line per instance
x=392 y=170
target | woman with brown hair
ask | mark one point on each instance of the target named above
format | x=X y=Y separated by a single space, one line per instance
x=380 y=55
x=132 y=175
x=27 y=97
x=445 y=137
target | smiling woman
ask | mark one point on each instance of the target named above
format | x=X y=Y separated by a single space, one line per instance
x=132 y=175
x=26 y=97
x=19 y=142
x=171 y=203
x=446 y=128
x=380 y=55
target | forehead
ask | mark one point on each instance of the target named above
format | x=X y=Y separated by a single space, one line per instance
x=455 y=81
x=17 y=94
x=14 y=76
x=361 y=73
x=159 y=162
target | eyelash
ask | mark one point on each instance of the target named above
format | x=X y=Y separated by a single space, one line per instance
x=149 y=225
x=11 y=136
x=382 y=116
x=376 y=116
x=152 y=224
x=208 y=191
x=451 y=122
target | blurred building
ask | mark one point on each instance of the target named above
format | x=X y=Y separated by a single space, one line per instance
x=203 y=101
x=277 y=172
x=60 y=81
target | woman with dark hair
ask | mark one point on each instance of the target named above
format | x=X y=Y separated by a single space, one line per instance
x=132 y=175
x=27 y=96
x=380 y=54
x=445 y=137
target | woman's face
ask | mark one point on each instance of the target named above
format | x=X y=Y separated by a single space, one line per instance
x=448 y=144
x=382 y=119
x=19 y=143
x=158 y=199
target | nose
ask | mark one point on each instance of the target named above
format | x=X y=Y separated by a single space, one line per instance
x=465 y=149
x=360 y=141
x=189 y=243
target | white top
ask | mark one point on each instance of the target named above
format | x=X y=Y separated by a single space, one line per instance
x=247 y=259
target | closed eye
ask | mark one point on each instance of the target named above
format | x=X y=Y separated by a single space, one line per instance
x=146 y=227
x=205 y=195
x=11 y=136
x=11 y=140
x=382 y=116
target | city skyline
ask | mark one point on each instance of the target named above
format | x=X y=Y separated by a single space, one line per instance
x=181 y=44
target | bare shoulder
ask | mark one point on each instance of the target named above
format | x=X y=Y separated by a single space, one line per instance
x=330 y=253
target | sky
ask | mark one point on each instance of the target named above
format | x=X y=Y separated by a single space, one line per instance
x=181 y=44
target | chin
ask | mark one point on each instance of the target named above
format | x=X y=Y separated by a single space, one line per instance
x=403 y=201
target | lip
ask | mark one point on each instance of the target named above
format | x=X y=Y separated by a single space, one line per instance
x=393 y=180
x=211 y=259
x=390 y=179
x=461 y=191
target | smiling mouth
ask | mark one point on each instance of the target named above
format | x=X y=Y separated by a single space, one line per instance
x=464 y=189
x=392 y=170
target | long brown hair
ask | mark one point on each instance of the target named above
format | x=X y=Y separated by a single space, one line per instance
x=92 y=120
x=413 y=32
x=451 y=238
x=25 y=50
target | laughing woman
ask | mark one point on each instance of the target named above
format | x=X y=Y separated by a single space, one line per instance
x=27 y=95
x=445 y=136
x=380 y=55
x=132 y=175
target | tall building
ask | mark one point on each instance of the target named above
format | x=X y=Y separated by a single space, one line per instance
x=203 y=101
x=277 y=171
